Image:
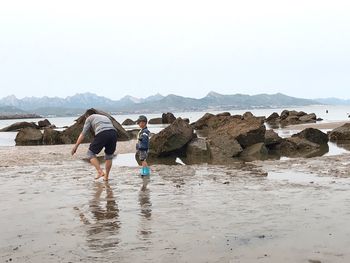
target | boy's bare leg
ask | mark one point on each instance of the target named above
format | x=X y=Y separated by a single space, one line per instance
x=108 y=166
x=97 y=166
x=144 y=163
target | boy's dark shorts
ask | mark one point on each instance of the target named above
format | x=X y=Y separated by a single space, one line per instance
x=142 y=155
x=106 y=139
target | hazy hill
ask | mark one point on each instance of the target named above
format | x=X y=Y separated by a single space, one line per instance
x=333 y=101
x=75 y=105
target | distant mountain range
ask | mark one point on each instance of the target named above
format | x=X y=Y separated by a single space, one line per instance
x=77 y=104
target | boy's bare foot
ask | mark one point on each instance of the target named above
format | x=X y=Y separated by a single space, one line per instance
x=105 y=177
x=99 y=175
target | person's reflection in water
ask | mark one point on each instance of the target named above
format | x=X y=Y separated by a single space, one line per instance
x=145 y=209
x=102 y=234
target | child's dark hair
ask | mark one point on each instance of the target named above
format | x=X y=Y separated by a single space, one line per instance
x=90 y=112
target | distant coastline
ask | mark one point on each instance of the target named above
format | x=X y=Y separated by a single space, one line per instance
x=19 y=116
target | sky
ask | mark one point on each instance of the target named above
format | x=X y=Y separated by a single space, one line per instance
x=185 y=47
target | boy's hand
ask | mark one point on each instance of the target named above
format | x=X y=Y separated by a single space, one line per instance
x=74 y=149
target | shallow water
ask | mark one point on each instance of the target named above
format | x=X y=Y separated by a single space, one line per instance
x=53 y=211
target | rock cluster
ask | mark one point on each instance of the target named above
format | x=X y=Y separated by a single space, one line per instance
x=218 y=139
x=224 y=138
x=290 y=118
x=31 y=134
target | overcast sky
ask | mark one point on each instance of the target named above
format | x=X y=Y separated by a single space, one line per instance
x=184 y=47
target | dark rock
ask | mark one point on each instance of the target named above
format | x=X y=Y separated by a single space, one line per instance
x=247 y=132
x=44 y=123
x=197 y=151
x=257 y=151
x=290 y=120
x=128 y=122
x=274 y=117
x=155 y=121
x=223 y=147
x=313 y=135
x=29 y=136
x=20 y=125
x=52 y=137
x=168 y=118
x=228 y=136
x=202 y=123
x=223 y=114
x=341 y=133
x=210 y=122
x=308 y=118
x=186 y=120
x=247 y=115
x=272 y=138
x=71 y=134
x=296 y=117
x=300 y=147
x=284 y=114
x=319 y=119
x=171 y=139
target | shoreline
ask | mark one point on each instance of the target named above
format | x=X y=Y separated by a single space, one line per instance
x=320 y=125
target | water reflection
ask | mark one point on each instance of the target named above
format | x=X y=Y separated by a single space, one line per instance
x=145 y=209
x=102 y=233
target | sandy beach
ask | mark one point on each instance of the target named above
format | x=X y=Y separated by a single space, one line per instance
x=274 y=211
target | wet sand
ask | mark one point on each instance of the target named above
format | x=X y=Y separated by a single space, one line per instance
x=295 y=210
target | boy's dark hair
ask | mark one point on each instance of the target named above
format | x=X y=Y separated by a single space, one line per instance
x=90 y=112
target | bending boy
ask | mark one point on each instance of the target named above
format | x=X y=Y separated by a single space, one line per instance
x=105 y=137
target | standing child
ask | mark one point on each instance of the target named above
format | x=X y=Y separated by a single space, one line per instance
x=143 y=144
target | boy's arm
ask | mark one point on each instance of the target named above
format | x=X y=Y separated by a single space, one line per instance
x=79 y=141
x=81 y=137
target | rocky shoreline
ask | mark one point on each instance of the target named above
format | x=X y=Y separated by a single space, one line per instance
x=216 y=139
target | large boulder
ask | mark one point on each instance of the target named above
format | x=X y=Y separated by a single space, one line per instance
x=228 y=136
x=223 y=147
x=20 y=125
x=256 y=151
x=29 y=136
x=300 y=147
x=341 y=133
x=171 y=139
x=273 y=118
x=168 y=118
x=197 y=151
x=44 y=123
x=308 y=118
x=246 y=131
x=71 y=134
x=210 y=122
x=52 y=137
x=313 y=135
x=155 y=121
x=202 y=123
x=128 y=122
x=223 y=114
x=272 y=138
x=290 y=120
